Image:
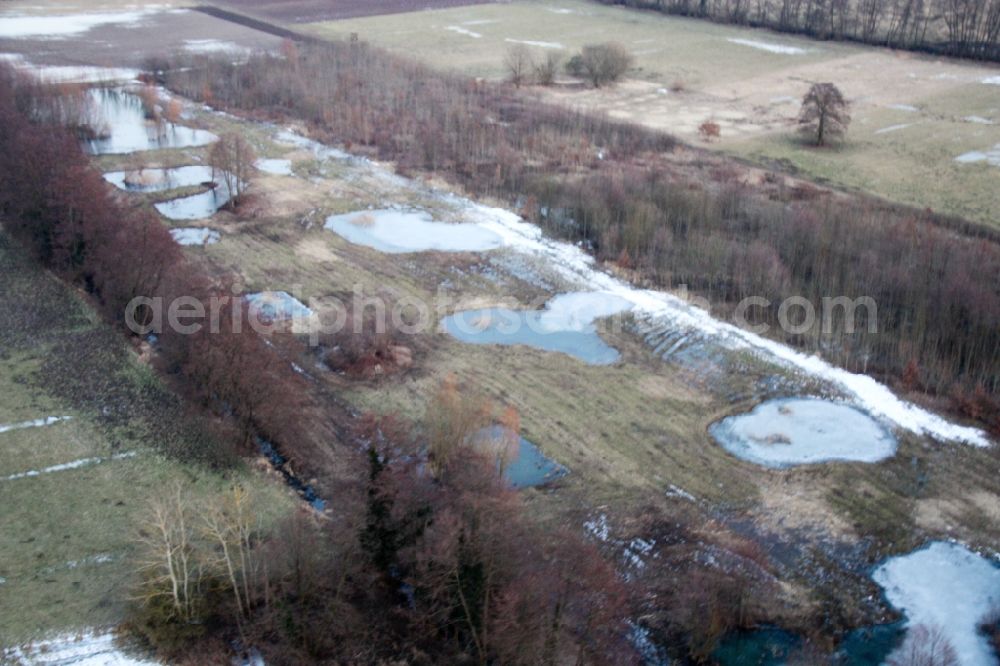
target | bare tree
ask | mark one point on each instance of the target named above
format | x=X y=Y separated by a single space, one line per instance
x=925 y=646
x=824 y=113
x=231 y=159
x=546 y=70
x=519 y=64
x=601 y=64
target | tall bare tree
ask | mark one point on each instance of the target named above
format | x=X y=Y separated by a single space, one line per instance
x=519 y=64
x=825 y=113
x=231 y=159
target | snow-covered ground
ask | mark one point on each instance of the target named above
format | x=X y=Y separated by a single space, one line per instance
x=991 y=156
x=277 y=305
x=464 y=31
x=541 y=45
x=945 y=585
x=799 y=431
x=396 y=230
x=892 y=128
x=92 y=648
x=770 y=47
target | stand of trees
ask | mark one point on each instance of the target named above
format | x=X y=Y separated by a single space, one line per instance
x=420 y=562
x=964 y=28
x=607 y=185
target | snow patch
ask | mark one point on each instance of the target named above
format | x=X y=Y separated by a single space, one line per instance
x=979 y=120
x=463 y=31
x=37 y=423
x=892 y=128
x=75 y=464
x=195 y=236
x=55 y=26
x=909 y=108
x=770 y=47
x=948 y=586
x=91 y=648
x=992 y=81
x=991 y=156
x=276 y=167
x=214 y=46
x=541 y=45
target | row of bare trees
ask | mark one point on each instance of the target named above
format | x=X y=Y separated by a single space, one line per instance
x=427 y=553
x=965 y=28
x=607 y=185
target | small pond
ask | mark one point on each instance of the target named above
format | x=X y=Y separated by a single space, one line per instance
x=158 y=180
x=771 y=646
x=122 y=127
x=528 y=467
x=800 y=431
x=195 y=206
x=566 y=325
x=399 y=231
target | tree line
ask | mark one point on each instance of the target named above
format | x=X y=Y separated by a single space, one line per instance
x=427 y=554
x=612 y=186
x=963 y=28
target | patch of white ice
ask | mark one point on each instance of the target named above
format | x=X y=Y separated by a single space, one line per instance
x=770 y=47
x=214 y=46
x=800 y=431
x=948 y=586
x=992 y=80
x=978 y=120
x=399 y=231
x=909 y=108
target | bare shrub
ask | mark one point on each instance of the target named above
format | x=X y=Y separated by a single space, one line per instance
x=547 y=69
x=601 y=64
x=519 y=64
x=709 y=130
x=925 y=646
x=231 y=159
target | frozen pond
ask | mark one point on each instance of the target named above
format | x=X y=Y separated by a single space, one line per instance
x=398 y=231
x=195 y=206
x=528 y=467
x=195 y=236
x=800 y=431
x=159 y=180
x=947 y=586
x=273 y=166
x=277 y=305
x=122 y=126
x=566 y=325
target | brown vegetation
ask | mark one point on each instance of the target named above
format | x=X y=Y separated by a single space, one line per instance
x=600 y=64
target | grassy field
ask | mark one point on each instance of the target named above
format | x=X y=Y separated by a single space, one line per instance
x=65 y=532
x=688 y=71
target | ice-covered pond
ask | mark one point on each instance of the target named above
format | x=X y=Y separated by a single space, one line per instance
x=398 y=230
x=159 y=180
x=196 y=206
x=120 y=122
x=798 y=431
x=277 y=167
x=525 y=467
x=566 y=325
x=948 y=587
